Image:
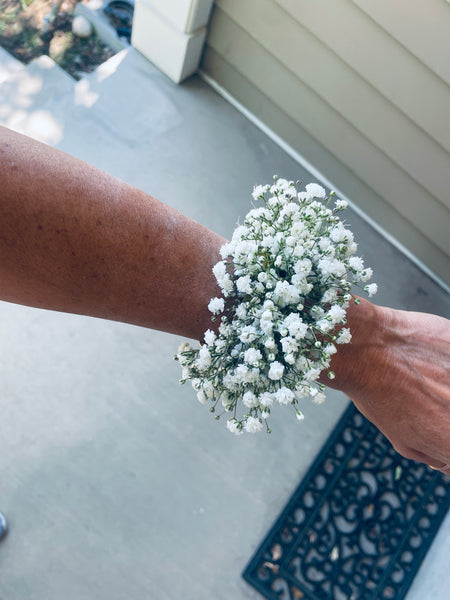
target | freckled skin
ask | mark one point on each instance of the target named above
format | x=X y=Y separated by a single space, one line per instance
x=78 y=240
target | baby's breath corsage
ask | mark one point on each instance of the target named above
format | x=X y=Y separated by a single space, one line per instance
x=286 y=279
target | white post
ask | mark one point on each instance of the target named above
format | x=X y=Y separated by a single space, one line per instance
x=171 y=33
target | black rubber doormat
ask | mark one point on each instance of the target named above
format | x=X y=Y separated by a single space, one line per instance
x=357 y=527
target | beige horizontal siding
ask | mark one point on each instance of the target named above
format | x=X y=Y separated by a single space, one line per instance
x=351 y=116
x=420 y=26
x=408 y=84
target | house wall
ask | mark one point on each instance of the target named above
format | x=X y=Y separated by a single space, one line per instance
x=361 y=89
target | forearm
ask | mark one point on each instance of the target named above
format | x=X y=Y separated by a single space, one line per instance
x=75 y=239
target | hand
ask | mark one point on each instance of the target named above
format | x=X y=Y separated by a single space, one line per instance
x=397 y=372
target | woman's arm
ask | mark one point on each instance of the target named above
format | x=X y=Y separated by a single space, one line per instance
x=75 y=239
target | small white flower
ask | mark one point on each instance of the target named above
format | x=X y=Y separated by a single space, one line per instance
x=325 y=244
x=266 y=399
x=344 y=336
x=295 y=325
x=208 y=389
x=329 y=296
x=227 y=250
x=241 y=232
x=259 y=191
x=312 y=374
x=247 y=248
x=276 y=371
x=352 y=248
x=248 y=334
x=252 y=356
x=226 y=284
x=299 y=251
x=219 y=270
x=250 y=400
x=285 y=293
x=196 y=383
x=371 y=289
x=241 y=373
x=289 y=344
x=336 y=314
x=204 y=359
x=216 y=305
x=266 y=326
x=332 y=267
x=324 y=325
x=209 y=337
x=319 y=398
x=234 y=427
x=341 y=204
x=338 y=233
x=270 y=344
x=253 y=425
x=284 y=395
x=314 y=190
x=289 y=359
x=356 y=263
x=252 y=376
x=274 y=202
x=219 y=344
x=243 y=285
x=267 y=315
x=290 y=241
x=330 y=349
x=262 y=277
x=184 y=347
x=303 y=266
x=241 y=311
x=267 y=241
x=366 y=274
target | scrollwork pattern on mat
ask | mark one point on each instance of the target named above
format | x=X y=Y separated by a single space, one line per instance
x=357 y=527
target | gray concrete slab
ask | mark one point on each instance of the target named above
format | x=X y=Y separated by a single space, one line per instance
x=116 y=482
x=31 y=95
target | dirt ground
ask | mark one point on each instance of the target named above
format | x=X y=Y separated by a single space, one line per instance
x=21 y=34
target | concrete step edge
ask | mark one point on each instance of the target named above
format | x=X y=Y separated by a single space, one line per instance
x=45 y=63
x=8 y=65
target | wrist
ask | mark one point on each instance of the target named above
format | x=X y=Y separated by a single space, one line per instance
x=352 y=364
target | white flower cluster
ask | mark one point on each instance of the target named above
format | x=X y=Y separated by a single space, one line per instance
x=285 y=277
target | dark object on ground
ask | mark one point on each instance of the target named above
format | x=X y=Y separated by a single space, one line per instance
x=3 y=526
x=358 y=526
x=120 y=15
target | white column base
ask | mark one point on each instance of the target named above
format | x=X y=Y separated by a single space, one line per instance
x=169 y=40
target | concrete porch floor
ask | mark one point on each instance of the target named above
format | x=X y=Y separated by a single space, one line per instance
x=115 y=481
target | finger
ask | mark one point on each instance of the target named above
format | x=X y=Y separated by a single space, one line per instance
x=443 y=468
